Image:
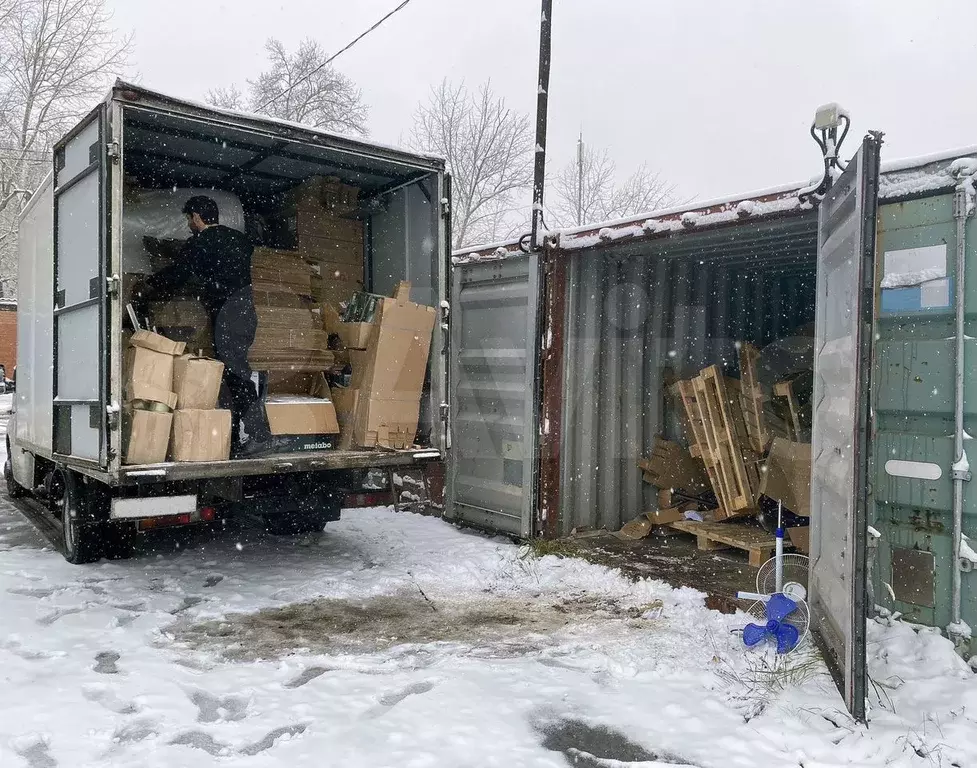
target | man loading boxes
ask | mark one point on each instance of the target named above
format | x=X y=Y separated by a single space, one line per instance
x=220 y=259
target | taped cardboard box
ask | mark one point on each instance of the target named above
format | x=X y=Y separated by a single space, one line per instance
x=149 y=361
x=145 y=435
x=201 y=435
x=300 y=404
x=141 y=392
x=197 y=382
x=301 y=415
x=367 y=422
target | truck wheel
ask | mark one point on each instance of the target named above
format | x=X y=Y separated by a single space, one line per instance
x=14 y=489
x=81 y=538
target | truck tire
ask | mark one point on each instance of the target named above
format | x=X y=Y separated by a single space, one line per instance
x=82 y=536
x=14 y=489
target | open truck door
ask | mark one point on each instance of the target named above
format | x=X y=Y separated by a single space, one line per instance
x=842 y=369
x=493 y=394
x=80 y=334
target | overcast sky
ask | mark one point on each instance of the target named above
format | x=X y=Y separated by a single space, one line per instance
x=717 y=95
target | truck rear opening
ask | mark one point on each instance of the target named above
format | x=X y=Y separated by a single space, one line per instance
x=110 y=214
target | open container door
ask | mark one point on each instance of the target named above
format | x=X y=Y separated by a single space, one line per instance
x=493 y=382
x=80 y=349
x=842 y=368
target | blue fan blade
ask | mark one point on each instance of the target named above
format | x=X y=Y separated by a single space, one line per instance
x=788 y=636
x=780 y=607
x=754 y=634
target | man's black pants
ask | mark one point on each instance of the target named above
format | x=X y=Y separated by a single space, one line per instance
x=234 y=329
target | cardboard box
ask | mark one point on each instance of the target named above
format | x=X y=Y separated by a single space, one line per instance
x=338 y=272
x=148 y=368
x=325 y=192
x=197 y=382
x=200 y=435
x=356 y=336
x=382 y=405
x=320 y=223
x=786 y=476
x=156 y=343
x=301 y=415
x=145 y=435
x=141 y=392
x=801 y=539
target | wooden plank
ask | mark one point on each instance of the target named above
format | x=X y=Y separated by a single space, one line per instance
x=751 y=396
x=785 y=389
x=759 y=544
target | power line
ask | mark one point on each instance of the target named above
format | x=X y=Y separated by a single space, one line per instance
x=331 y=59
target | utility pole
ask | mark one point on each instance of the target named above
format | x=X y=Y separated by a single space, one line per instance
x=580 y=151
x=542 y=103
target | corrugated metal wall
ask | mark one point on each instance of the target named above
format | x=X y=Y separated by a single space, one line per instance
x=640 y=319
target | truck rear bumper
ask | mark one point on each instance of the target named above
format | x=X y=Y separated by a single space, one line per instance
x=270 y=465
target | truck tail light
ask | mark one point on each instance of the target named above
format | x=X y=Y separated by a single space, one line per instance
x=164 y=522
x=207 y=514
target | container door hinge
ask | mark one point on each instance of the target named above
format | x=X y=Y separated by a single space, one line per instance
x=961 y=474
x=445 y=411
x=445 y=207
x=113 y=411
x=112 y=149
x=112 y=284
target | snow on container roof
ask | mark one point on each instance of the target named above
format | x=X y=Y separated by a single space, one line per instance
x=134 y=93
x=901 y=179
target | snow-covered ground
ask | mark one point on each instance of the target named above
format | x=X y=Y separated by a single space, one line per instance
x=426 y=646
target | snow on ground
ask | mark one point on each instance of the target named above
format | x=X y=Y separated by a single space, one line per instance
x=100 y=665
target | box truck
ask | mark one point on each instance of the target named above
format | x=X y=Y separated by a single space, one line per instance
x=81 y=238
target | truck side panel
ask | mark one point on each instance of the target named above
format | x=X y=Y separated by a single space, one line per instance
x=35 y=322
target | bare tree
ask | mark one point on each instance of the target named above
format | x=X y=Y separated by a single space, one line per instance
x=586 y=191
x=300 y=87
x=56 y=57
x=488 y=150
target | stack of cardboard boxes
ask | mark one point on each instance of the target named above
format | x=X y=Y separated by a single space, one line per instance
x=388 y=356
x=329 y=239
x=171 y=404
x=290 y=335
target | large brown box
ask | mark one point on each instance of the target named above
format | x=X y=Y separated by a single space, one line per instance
x=382 y=405
x=197 y=382
x=787 y=475
x=149 y=361
x=200 y=435
x=145 y=435
x=332 y=293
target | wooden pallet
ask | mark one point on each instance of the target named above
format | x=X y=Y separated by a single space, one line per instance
x=694 y=411
x=709 y=536
x=751 y=397
x=726 y=434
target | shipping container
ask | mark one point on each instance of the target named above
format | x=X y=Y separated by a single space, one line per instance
x=575 y=369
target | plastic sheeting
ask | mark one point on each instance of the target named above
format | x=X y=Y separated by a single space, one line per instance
x=159 y=213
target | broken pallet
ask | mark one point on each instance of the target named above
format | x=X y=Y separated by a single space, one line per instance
x=726 y=434
x=751 y=397
x=694 y=410
x=759 y=544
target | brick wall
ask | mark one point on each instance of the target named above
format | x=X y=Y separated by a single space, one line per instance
x=8 y=339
